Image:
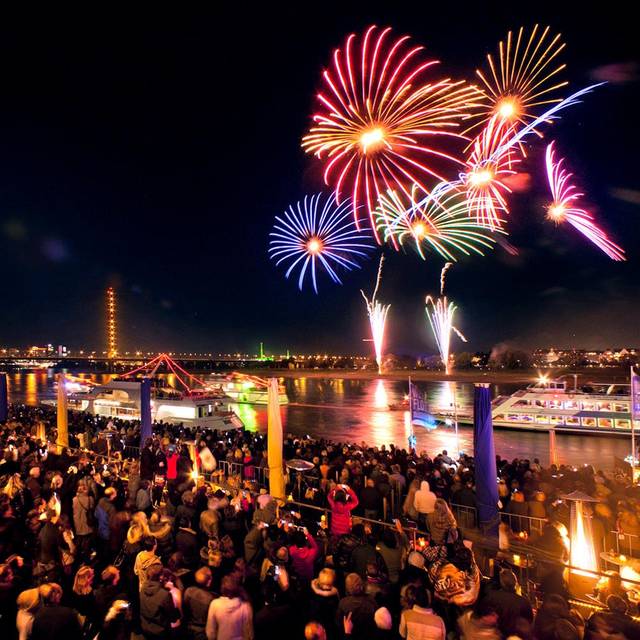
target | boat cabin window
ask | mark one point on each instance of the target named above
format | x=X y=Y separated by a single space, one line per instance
x=571 y=404
x=540 y=419
x=588 y=422
x=521 y=403
x=623 y=424
x=605 y=423
x=555 y=404
x=572 y=421
x=621 y=407
x=556 y=419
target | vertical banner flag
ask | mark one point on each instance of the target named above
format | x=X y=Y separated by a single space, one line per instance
x=419 y=409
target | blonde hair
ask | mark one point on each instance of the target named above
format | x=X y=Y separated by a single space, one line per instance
x=82 y=583
x=13 y=486
x=139 y=528
x=28 y=600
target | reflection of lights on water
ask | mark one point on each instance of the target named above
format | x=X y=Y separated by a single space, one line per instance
x=247 y=414
x=31 y=390
x=382 y=427
x=380 y=398
x=445 y=396
x=583 y=554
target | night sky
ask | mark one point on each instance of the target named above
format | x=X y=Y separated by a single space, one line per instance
x=150 y=151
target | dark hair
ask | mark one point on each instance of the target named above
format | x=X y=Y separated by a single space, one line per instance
x=149 y=543
x=340 y=496
x=617 y=604
x=484 y=608
x=230 y=588
x=389 y=539
x=299 y=539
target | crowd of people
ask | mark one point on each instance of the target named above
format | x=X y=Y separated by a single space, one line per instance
x=113 y=541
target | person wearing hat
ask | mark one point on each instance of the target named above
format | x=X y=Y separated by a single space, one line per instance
x=323 y=601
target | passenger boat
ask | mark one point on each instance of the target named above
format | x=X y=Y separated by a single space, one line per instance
x=206 y=408
x=549 y=404
x=245 y=389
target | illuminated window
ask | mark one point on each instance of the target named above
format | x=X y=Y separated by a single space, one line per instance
x=588 y=422
x=605 y=423
x=540 y=419
x=556 y=419
x=623 y=424
x=572 y=421
x=621 y=407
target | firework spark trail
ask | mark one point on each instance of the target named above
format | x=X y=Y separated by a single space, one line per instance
x=382 y=124
x=549 y=115
x=526 y=78
x=377 y=317
x=563 y=208
x=440 y=313
x=440 y=224
x=311 y=235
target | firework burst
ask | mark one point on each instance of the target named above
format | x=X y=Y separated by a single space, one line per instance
x=440 y=313
x=439 y=224
x=564 y=207
x=525 y=76
x=377 y=313
x=381 y=123
x=311 y=236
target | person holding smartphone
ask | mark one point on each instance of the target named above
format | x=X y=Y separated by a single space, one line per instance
x=342 y=501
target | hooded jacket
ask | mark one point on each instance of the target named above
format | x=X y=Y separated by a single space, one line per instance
x=322 y=607
x=425 y=500
x=229 y=619
x=143 y=561
x=157 y=611
x=82 y=506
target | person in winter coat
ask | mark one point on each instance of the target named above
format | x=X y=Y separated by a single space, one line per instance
x=230 y=617
x=323 y=602
x=195 y=604
x=146 y=559
x=104 y=512
x=358 y=608
x=424 y=502
x=52 y=621
x=157 y=610
x=342 y=501
x=83 y=508
x=510 y=606
x=303 y=553
x=440 y=522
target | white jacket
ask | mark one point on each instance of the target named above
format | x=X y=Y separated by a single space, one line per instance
x=425 y=500
x=229 y=619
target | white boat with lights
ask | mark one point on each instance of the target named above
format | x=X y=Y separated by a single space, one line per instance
x=245 y=389
x=596 y=408
x=121 y=399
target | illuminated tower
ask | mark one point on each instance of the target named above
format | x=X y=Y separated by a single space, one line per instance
x=112 y=348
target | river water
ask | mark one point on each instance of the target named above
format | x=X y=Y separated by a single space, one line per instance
x=357 y=410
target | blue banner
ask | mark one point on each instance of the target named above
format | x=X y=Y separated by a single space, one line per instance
x=419 y=409
x=635 y=395
x=485 y=461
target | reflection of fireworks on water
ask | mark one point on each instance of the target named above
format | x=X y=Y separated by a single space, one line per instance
x=440 y=313
x=377 y=318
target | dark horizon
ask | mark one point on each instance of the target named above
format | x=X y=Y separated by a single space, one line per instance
x=150 y=152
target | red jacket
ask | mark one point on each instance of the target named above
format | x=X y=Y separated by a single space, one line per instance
x=172 y=462
x=341 y=512
x=303 y=559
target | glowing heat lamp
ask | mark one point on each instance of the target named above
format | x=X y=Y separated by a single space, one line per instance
x=582 y=553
